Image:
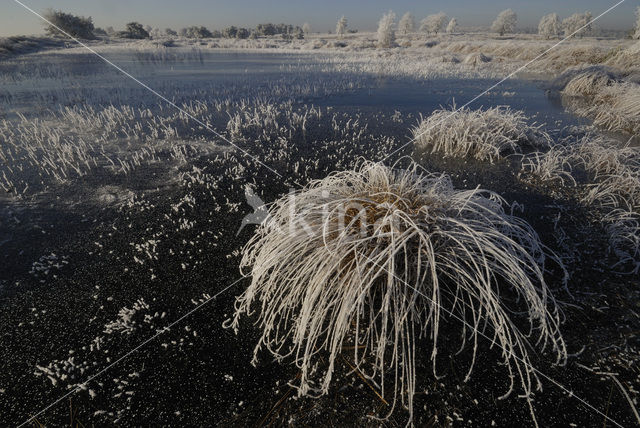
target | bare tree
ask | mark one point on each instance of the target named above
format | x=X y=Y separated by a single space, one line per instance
x=505 y=22
x=386 y=30
x=452 y=26
x=433 y=23
x=549 y=26
x=407 y=24
x=341 y=27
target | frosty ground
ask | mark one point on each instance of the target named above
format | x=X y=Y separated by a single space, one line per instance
x=120 y=214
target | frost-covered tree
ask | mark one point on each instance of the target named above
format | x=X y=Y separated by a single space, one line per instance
x=196 y=32
x=578 y=24
x=74 y=26
x=407 y=24
x=230 y=32
x=386 y=30
x=306 y=28
x=243 y=33
x=170 y=32
x=505 y=22
x=134 y=30
x=636 y=34
x=452 y=26
x=549 y=26
x=433 y=24
x=341 y=27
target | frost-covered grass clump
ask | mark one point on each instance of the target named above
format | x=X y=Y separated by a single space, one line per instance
x=482 y=134
x=610 y=99
x=609 y=184
x=380 y=260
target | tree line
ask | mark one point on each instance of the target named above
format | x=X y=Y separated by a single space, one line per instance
x=67 y=25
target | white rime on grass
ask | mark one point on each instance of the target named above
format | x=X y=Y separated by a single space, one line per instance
x=377 y=258
x=482 y=134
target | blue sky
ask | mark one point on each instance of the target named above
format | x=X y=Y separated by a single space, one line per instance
x=321 y=14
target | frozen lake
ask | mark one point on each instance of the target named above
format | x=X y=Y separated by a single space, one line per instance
x=40 y=86
x=120 y=213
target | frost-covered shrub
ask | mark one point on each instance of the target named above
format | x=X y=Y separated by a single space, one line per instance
x=550 y=26
x=386 y=30
x=505 y=22
x=377 y=260
x=74 y=26
x=452 y=26
x=578 y=24
x=482 y=134
x=433 y=24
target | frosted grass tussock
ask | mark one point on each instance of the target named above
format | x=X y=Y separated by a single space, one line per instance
x=612 y=101
x=616 y=172
x=550 y=166
x=482 y=134
x=476 y=58
x=377 y=259
x=588 y=81
x=613 y=187
x=623 y=228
